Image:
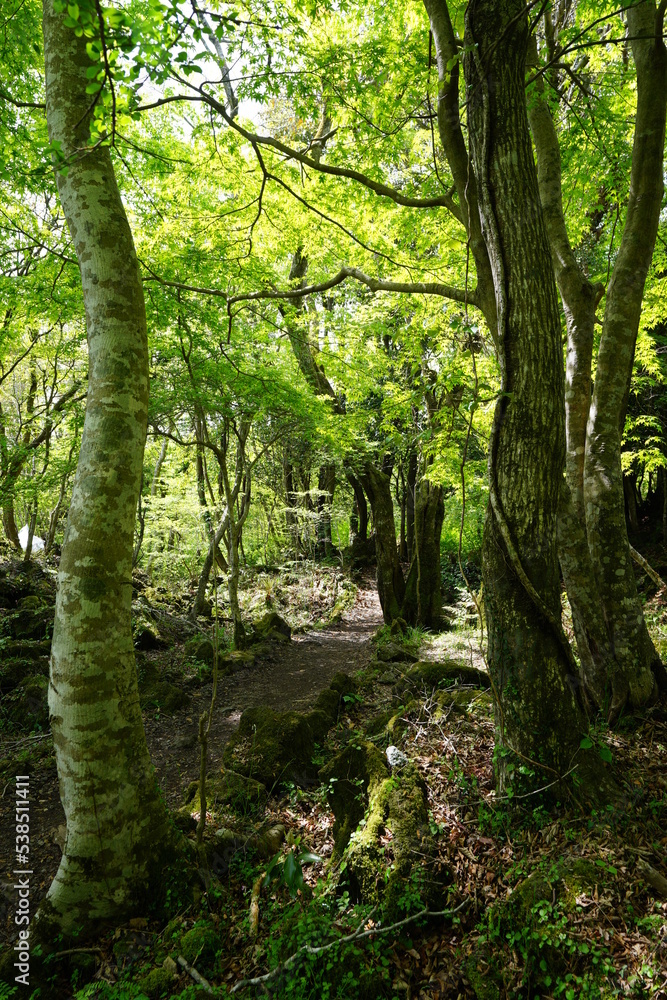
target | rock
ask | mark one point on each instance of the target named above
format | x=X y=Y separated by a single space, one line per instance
x=170 y=965
x=399 y=627
x=199 y=946
x=27 y=705
x=163 y=695
x=204 y=652
x=560 y=886
x=158 y=982
x=393 y=652
x=272 y=625
x=272 y=747
x=343 y=684
x=462 y=700
x=378 y=872
x=146 y=637
x=389 y=677
x=14 y=670
x=432 y=673
x=396 y=757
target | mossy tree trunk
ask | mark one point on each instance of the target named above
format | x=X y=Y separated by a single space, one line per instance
x=635 y=659
x=537 y=711
x=617 y=655
x=390 y=581
x=118 y=830
x=422 y=603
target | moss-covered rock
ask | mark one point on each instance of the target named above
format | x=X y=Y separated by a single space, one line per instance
x=274 y=747
x=343 y=684
x=163 y=695
x=544 y=907
x=406 y=865
x=271 y=747
x=236 y=791
x=348 y=778
x=463 y=699
x=27 y=705
x=432 y=674
x=394 y=652
x=147 y=637
x=272 y=626
x=199 y=946
x=158 y=983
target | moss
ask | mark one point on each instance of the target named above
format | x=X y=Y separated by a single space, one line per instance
x=271 y=625
x=271 y=747
x=433 y=673
x=463 y=700
x=558 y=888
x=157 y=983
x=398 y=805
x=328 y=702
x=27 y=705
x=348 y=777
x=199 y=946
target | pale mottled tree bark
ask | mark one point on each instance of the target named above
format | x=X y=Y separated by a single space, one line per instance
x=118 y=831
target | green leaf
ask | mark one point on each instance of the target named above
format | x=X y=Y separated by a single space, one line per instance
x=307 y=857
x=586 y=743
x=73 y=11
x=290 y=869
x=605 y=754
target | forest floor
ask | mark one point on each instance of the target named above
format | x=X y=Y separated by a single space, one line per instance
x=557 y=901
x=284 y=677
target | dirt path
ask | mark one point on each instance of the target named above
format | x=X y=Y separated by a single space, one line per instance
x=290 y=677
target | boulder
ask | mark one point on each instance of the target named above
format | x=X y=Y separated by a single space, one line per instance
x=545 y=905
x=396 y=809
x=147 y=637
x=272 y=626
x=394 y=652
x=272 y=747
x=27 y=705
x=433 y=673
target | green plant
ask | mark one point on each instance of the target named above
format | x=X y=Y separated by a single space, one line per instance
x=287 y=869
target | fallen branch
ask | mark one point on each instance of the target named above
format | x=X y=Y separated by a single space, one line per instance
x=654 y=878
x=648 y=569
x=197 y=976
x=357 y=935
x=254 y=906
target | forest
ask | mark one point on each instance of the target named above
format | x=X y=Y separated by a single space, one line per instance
x=333 y=479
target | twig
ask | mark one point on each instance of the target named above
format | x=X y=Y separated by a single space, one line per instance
x=197 y=976
x=648 y=569
x=354 y=936
x=78 y=951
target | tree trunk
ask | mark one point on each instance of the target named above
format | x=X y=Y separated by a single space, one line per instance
x=532 y=668
x=632 y=682
x=410 y=504
x=390 y=582
x=326 y=485
x=422 y=604
x=630 y=497
x=119 y=835
x=361 y=505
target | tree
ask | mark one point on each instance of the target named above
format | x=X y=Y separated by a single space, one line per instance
x=530 y=662
x=119 y=836
x=617 y=655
